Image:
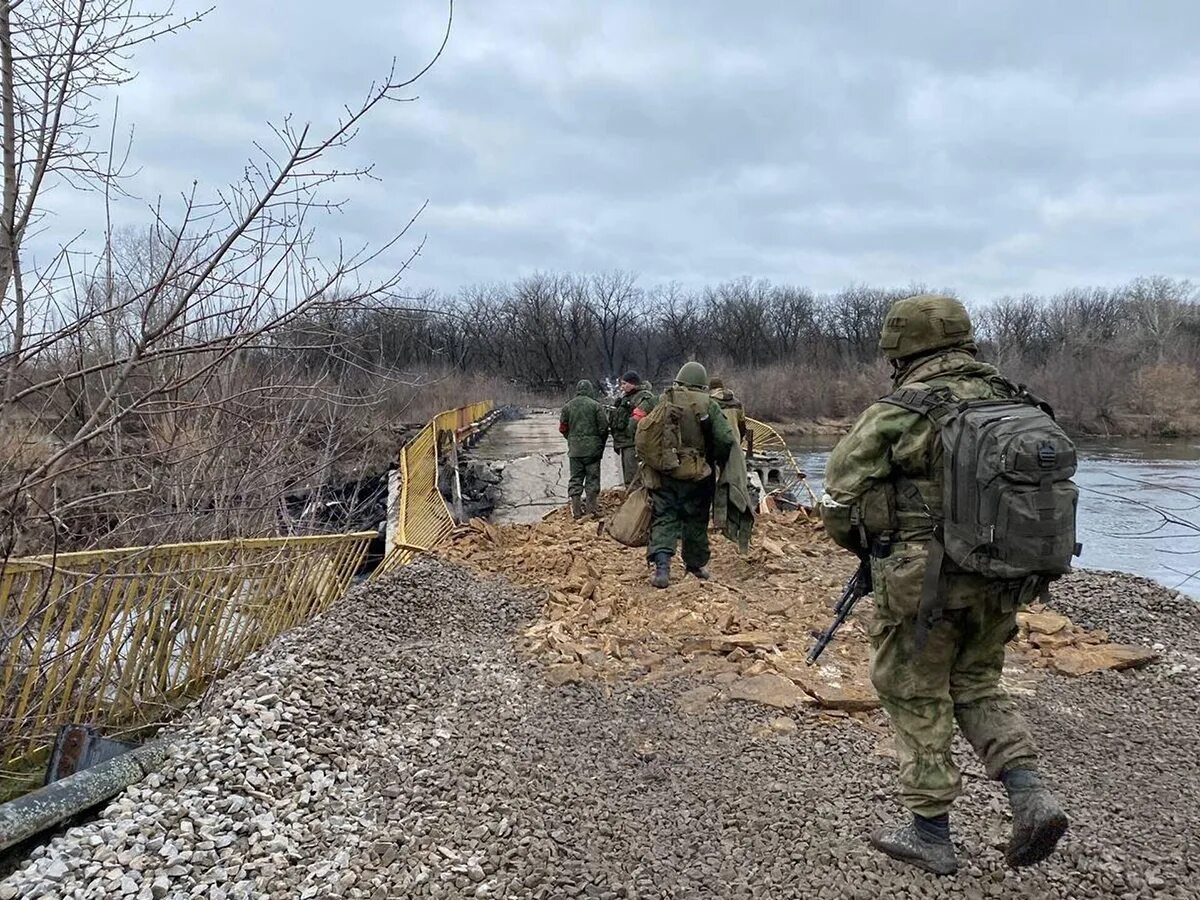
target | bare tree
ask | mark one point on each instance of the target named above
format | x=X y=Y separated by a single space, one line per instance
x=615 y=305
x=166 y=339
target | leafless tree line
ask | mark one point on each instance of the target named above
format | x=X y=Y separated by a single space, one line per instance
x=1110 y=358
x=142 y=394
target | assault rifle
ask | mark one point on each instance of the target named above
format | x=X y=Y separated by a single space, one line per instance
x=859 y=585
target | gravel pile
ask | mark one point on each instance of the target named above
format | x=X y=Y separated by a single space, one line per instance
x=400 y=748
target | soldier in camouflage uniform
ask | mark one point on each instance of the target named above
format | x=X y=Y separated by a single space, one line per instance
x=884 y=498
x=633 y=404
x=730 y=405
x=681 y=509
x=585 y=426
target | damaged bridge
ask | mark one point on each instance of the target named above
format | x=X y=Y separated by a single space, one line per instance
x=518 y=714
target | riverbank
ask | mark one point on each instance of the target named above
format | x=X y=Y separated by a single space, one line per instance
x=403 y=747
x=1123 y=426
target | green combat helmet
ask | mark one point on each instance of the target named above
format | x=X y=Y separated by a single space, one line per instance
x=924 y=323
x=693 y=375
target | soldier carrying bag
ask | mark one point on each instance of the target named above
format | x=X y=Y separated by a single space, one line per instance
x=670 y=439
x=1008 y=500
x=630 y=525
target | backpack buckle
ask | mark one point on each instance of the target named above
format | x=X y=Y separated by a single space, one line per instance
x=1047 y=455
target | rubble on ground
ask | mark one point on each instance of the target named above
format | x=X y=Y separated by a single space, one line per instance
x=747 y=630
x=398 y=746
x=1050 y=640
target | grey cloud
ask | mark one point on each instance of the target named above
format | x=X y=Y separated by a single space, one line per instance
x=988 y=147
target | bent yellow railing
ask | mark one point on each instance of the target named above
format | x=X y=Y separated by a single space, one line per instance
x=768 y=440
x=422 y=517
x=114 y=637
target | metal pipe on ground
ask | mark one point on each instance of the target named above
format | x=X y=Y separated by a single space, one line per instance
x=39 y=810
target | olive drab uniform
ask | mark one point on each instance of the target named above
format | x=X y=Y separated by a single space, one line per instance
x=884 y=497
x=623 y=425
x=730 y=405
x=681 y=509
x=585 y=426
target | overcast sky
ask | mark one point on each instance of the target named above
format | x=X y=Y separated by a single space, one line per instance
x=988 y=147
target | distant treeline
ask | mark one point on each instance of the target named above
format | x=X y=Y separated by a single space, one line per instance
x=1120 y=359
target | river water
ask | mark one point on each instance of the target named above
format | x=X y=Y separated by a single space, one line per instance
x=1139 y=505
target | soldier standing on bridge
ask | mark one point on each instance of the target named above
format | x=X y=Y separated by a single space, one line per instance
x=585 y=426
x=730 y=405
x=634 y=404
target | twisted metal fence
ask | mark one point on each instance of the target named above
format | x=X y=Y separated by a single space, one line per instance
x=118 y=637
x=115 y=637
x=421 y=517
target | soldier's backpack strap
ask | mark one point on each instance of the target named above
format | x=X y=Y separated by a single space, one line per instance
x=935 y=403
x=1021 y=394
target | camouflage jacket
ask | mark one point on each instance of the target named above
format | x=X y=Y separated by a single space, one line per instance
x=621 y=422
x=584 y=424
x=889 y=466
x=887 y=475
x=733 y=409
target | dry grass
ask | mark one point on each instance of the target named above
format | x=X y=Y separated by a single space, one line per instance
x=783 y=392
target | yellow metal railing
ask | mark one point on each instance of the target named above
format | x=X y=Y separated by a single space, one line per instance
x=422 y=517
x=114 y=637
x=768 y=440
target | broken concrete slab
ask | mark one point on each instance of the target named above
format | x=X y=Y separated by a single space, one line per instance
x=770 y=689
x=698 y=699
x=1043 y=622
x=1076 y=661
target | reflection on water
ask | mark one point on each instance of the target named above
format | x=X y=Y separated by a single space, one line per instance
x=1139 y=505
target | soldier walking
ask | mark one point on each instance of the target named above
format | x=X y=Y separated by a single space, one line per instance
x=730 y=405
x=939 y=629
x=585 y=426
x=630 y=408
x=682 y=442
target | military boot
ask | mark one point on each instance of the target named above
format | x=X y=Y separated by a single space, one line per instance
x=1038 y=820
x=700 y=572
x=918 y=846
x=592 y=505
x=576 y=507
x=662 y=571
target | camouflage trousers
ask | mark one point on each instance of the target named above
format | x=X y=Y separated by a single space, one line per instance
x=585 y=476
x=680 y=513
x=954 y=679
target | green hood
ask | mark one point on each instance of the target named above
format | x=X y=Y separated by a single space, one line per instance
x=945 y=362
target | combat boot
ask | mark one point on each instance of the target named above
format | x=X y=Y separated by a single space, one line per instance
x=919 y=847
x=700 y=572
x=1038 y=820
x=576 y=507
x=592 y=505
x=662 y=571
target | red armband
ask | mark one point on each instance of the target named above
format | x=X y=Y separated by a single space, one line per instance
x=562 y=428
x=638 y=414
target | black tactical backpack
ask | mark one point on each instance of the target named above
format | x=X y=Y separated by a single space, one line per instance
x=1008 y=500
